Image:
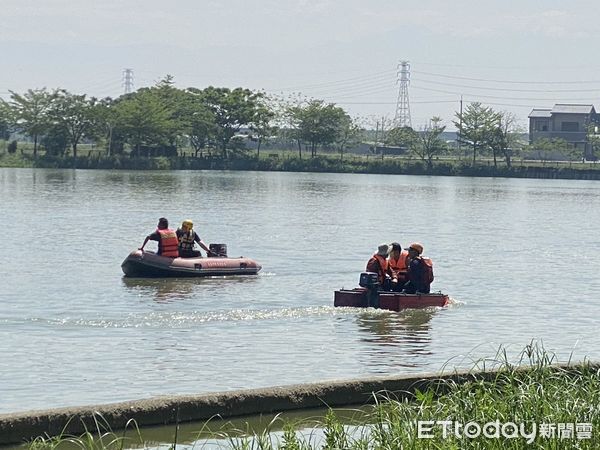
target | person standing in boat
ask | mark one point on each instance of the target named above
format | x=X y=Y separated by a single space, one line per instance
x=187 y=237
x=379 y=265
x=398 y=262
x=166 y=238
x=420 y=271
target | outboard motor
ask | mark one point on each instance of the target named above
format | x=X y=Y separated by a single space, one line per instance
x=370 y=280
x=219 y=250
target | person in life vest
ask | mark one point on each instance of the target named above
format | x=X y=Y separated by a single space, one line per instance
x=398 y=262
x=166 y=238
x=420 y=271
x=379 y=265
x=187 y=237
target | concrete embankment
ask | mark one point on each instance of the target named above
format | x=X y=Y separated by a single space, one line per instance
x=19 y=427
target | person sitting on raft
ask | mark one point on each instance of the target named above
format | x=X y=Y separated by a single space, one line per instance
x=166 y=238
x=379 y=265
x=420 y=271
x=398 y=262
x=187 y=237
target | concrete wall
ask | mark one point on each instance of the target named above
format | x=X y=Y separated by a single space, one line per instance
x=15 y=428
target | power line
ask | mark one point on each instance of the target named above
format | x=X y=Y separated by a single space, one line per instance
x=393 y=103
x=502 y=97
x=357 y=87
x=507 y=89
x=506 y=81
x=553 y=68
x=341 y=81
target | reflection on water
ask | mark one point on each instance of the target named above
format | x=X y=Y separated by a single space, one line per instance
x=400 y=338
x=161 y=290
x=409 y=326
x=164 y=290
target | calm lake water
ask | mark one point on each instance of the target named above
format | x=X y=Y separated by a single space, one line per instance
x=519 y=257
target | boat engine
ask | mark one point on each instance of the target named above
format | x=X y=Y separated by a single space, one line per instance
x=219 y=250
x=370 y=281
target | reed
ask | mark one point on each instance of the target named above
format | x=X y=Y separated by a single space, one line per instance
x=101 y=437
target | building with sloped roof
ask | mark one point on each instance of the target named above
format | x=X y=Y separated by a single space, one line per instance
x=565 y=121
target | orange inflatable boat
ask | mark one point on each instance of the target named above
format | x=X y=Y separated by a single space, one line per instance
x=150 y=265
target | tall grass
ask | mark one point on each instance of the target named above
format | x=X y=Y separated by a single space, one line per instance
x=528 y=391
x=541 y=395
x=101 y=437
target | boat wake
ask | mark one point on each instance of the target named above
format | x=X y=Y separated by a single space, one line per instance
x=191 y=318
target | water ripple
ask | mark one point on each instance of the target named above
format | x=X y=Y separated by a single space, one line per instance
x=183 y=320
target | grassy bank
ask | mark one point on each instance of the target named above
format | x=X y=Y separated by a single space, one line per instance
x=550 y=407
x=289 y=162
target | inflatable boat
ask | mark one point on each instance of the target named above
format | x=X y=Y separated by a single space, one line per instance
x=144 y=264
x=369 y=295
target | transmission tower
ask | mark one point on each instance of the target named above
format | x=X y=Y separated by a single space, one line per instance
x=128 y=80
x=402 y=117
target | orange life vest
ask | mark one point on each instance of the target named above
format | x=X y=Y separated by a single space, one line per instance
x=399 y=265
x=383 y=266
x=168 y=243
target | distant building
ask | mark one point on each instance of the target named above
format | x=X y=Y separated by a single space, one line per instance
x=564 y=121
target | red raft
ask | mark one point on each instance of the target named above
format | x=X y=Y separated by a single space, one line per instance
x=369 y=295
x=393 y=301
x=150 y=265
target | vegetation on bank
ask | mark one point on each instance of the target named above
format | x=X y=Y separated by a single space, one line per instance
x=163 y=120
x=288 y=162
x=551 y=408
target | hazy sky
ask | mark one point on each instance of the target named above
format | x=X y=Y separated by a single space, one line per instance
x=512 y=55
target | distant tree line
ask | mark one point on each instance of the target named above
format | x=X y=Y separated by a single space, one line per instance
x=162 y=120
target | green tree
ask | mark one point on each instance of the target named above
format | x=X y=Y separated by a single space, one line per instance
x=593 y=139
x=74 y=114
x=105 y=118
x=429 y=142
x=476 y=126
x=55 y=140
x=317 y=123
x=5 y=120
x=175 y=102
x=31 y=112
x=402 y=137
x=231 y=110
x=143 y=120
x=505 y=138
x=263 y=124
x=199 y=121
x=350 y=134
